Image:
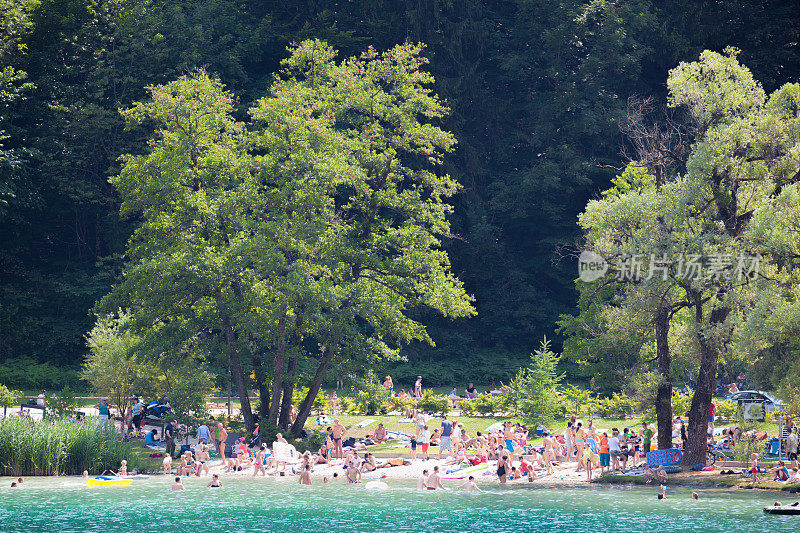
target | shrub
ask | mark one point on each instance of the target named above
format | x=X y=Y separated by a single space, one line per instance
x=8 y=398
x=401 y=404
x=727 y=410
x=435 y=403
x=486 y=404
x=346 y=404
x=578 y=400
x=371 y=398
x=60 y=447
x=467 y=407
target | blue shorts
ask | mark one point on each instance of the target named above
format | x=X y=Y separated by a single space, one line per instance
x=510 y=445
x=711 y=419
x=445 y=443
x=605 y=459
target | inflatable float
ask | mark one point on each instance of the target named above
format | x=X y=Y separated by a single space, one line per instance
x=102 y=481
x=463 y=473
x=782 y=509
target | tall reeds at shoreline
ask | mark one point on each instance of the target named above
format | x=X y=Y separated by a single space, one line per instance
x=49 y=448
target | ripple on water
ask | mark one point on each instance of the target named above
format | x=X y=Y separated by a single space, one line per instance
x=64 y=505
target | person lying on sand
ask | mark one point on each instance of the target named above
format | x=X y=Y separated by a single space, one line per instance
x=395 y=461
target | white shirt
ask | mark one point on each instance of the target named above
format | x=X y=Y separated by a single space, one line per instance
x=791 y=443
x=613 y=445
x=425 y=436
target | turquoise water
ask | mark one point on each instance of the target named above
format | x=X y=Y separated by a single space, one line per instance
x=66 y=505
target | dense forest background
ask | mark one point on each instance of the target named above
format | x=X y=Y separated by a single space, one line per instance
x=537 y=90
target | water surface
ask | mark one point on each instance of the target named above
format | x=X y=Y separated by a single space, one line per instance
x=63 y=505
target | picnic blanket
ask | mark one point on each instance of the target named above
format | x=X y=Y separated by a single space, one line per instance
x=669 y=456
x=365 y=423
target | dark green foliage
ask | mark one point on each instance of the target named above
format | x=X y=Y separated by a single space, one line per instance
x=535 y=89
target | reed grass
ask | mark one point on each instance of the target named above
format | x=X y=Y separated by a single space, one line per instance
x=49 y=448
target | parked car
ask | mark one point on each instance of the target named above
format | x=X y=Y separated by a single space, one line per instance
x=768 y=400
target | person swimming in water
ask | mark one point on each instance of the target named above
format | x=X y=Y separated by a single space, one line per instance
x=435 y=480
x=178 y=485
x=305 y=475
x=469 y=485
x=215 y=482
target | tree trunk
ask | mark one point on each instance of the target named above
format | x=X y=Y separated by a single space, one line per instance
x=285 y=418
x=277 y=375
x=697 y=432
x=261 y=384
x=238 y=374
x=313 y=390
x=664 y=394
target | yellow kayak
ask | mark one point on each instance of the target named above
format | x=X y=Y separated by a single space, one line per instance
x=104 y=480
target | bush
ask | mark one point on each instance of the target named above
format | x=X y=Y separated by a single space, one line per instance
x=346 y=404
x=467 y=407
x=48 y=448
x=486 y=404
x=745 y=448
x=8 y=398
x=371 y=398
x=435 y=403
x=727 y=410
x=401 y=404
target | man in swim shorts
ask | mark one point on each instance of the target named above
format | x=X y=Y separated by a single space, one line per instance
x=435 y=480
x=338 y=433
x=445 y=442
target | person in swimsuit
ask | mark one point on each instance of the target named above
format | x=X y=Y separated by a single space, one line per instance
x=215 y=482
x=260 y=464
x=549 y=453
x=568 y=441
x=434 y=480
x=203 y=457
x=469 y=485
x=422 y=482
x=178 y=485
x=305 y=476
x=353 y=472
x=508 y=435
x=338 y=432
x=580 y=443
x=502 y=469
x=223 y=436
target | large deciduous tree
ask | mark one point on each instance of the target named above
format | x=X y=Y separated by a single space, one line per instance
x=698 y=224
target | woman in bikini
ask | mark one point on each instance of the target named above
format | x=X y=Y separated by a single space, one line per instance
x=549 y=453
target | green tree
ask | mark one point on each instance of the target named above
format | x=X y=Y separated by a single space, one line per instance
x=8 y=398
x=112 y=366
x=537 y=385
